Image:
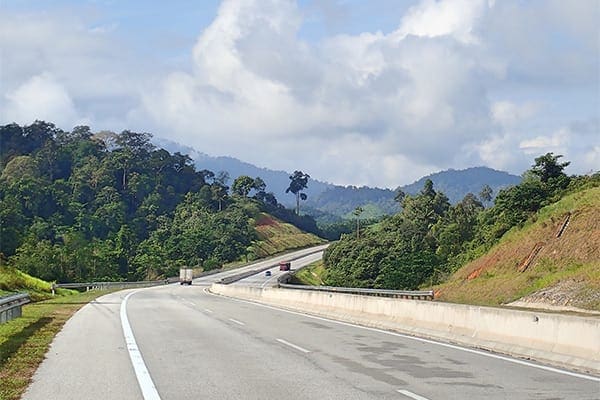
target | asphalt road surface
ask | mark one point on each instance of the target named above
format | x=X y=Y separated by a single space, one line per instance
x=185 y=343
x=263 y=280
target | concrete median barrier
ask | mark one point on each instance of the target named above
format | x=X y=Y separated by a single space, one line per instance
x=564 y=340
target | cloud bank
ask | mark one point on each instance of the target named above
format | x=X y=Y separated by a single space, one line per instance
x=457 y=83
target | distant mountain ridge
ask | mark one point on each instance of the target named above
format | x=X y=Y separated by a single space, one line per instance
x=277 y=181
x=457 y=183
x=339 y=201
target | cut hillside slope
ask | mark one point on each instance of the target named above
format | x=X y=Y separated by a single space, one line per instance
x=553 y=260
x=12 y=280
x=276 y=236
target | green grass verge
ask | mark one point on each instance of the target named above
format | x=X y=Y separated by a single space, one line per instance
x=25 y=340
x=12 y=280
x=311 y=275
x=276 y=237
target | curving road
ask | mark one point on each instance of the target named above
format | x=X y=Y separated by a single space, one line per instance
x=197 y=345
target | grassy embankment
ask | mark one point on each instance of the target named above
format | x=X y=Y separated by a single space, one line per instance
x=566 y=271
x=311 y=274
x=25 y=340
x=276 y=236
x=12 y=280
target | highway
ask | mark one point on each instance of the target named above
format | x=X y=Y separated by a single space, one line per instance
x=186 y=343
x=262 y=280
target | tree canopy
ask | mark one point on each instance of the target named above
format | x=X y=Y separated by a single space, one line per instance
x=111 y=206
x=299 y=182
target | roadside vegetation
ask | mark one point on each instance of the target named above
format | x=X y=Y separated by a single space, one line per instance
x=80 y=206
x=310 y=275
x=565 y=271
x=12 y=280
x=275 y=236
x=429 y=240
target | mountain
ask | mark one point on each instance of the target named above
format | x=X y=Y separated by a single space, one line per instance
x=457 y=183
x=329 y=202
x=277 y=181
x=342 y=200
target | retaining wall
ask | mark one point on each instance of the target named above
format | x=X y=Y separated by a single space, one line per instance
x=563 y=340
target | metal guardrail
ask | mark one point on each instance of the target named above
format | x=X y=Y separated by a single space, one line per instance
x=107 y=285
x=10 y=306
x=399 y=294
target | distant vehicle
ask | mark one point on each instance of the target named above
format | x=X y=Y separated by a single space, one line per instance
x=285 y=266
x=267 y=273
x=185 y=276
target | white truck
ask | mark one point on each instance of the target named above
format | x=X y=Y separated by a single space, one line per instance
x=185 y=276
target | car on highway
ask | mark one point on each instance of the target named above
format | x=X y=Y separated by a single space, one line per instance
x=267 y=273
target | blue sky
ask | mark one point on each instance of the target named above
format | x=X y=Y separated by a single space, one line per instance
x=352 y=92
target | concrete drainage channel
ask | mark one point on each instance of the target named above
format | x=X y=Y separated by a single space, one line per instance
x=563 y=340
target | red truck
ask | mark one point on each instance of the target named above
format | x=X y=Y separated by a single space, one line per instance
x=285 y=266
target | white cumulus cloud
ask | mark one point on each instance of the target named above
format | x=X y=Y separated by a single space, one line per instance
x=42 y=97
x=454 y=83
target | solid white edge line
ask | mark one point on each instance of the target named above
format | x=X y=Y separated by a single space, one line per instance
x=235 y=321
x=267 y=281
x=145 y=382
x=292 y=345
x=422 y=340
x=412 y=395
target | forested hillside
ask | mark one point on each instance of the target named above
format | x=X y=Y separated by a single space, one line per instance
x=430 y=238
x=81 y=205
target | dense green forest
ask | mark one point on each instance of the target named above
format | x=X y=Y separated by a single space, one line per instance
x=430 y=238
x=79 y=205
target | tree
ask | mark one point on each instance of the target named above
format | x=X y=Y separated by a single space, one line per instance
x=133 y=148
x=298 y=183
x=242 y=185
x=428 y=189
x=267 y=198
x=357 y=212
x=218 y=193
x=486 y=193
x=13 y=142
x=547 y=167
x=259 y=185
x=399 y=197
x=550 y=172
x=38 y=133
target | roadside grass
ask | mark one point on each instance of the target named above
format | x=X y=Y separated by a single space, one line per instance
x=24 y=341
x=12 y=280
x=276 y=237
x=311 y=275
